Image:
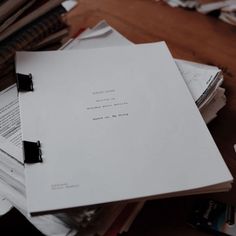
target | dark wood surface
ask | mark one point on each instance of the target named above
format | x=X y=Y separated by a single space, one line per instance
x=189 y=35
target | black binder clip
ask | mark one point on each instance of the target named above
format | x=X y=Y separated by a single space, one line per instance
x=24 y=82
x=32 y=151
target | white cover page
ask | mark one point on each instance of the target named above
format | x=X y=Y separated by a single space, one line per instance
x=114 y=124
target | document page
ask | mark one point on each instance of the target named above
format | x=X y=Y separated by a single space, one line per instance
x=10 y=127
x=5 y=205
x=128 y=128
x=198 y=77
x=10 y=116
x=203 y=81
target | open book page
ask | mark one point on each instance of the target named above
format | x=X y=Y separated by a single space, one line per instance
x=121 y=116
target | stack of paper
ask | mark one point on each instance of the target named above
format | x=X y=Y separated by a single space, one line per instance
x=202 y=80
x=99 y=112
x=225 y=10
x=143 y=123
x=228 y=13
x=13 y=185
x=182 y=3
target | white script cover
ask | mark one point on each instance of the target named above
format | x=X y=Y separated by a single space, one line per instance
x=114 y=124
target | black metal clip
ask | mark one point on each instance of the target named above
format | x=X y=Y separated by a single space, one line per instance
x=32 y=152
x=24 y=82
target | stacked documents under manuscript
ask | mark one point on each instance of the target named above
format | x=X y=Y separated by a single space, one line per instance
x=102 y=106
x=203 y=81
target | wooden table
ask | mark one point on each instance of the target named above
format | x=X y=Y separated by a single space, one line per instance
x=191 y=36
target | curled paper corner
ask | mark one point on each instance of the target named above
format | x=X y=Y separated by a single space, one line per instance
x=5 y=206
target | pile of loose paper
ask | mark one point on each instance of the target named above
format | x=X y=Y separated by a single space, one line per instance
x=224 y=10
x=203 y=82
x=182 y=3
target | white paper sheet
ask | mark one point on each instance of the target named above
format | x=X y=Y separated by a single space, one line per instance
x=209 y=112
x=10 y=129
x=125 y=128
x=9 y=116
x=5 y=205
x=198 y=77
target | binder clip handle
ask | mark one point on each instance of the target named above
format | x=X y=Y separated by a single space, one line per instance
x=32 y=151
x=24 y=82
